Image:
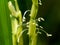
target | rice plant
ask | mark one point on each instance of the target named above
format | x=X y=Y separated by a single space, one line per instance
x=18 y=20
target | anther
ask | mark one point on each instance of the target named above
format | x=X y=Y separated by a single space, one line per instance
x=24 y=19
x=37 y=25
x=26 y=12
x=42 y=19
x=48 y=34
x=27 y=26
x=41 y=27
x=39 y=19
x=27 y=23
x=40 y=2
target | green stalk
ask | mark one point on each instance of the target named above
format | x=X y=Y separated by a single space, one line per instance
x=32 y=23
x=16 y=24
x=14 y=31
x=19 y=30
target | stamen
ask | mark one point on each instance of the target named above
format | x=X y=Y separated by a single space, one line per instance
x=39 y=32
x=27 y=23
x=48 y=34
x=24 y=19
x=39 y=19
x=27 y=26
x=40 y=2
x=21 y=35
x=41 y=27
x=26 y=12
x=37 y=25
x=42 y=19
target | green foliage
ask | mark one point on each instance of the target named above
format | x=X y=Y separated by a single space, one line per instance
x=5 y=27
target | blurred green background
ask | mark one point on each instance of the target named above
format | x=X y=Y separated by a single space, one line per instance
x=50 y=11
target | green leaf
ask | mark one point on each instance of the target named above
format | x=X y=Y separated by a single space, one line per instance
x=5 y=25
